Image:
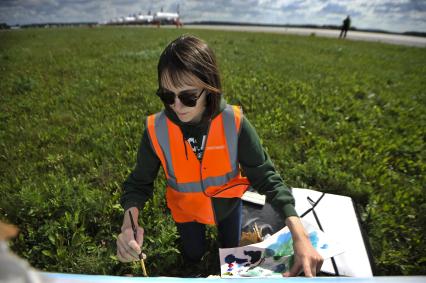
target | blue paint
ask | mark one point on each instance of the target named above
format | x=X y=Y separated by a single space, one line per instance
x=283 y=238
x=269 y=252
x=280 y=268
x=282 y=247
x=325 y=246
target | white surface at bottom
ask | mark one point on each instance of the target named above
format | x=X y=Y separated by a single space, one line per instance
x=80 y=278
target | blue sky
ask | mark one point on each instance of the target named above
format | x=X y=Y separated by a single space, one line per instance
x=391 y=15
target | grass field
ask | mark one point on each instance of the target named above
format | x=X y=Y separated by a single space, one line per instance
x=339 y=116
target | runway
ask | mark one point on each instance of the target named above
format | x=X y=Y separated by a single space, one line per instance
x=351 y=35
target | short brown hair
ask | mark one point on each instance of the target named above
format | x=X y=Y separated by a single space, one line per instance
x=189 y=55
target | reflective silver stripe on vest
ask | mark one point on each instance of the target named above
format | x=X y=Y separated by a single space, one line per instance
x=163 y=140
x=195 y=187
x=231 y=136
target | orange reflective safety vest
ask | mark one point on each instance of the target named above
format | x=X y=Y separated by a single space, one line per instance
x=192 y=183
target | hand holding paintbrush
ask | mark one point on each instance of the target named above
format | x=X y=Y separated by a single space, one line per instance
x=130 y=240
x=135 y=236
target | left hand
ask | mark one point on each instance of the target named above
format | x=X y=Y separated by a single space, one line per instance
x=306 y=258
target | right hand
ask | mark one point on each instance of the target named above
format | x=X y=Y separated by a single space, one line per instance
x=127 y=248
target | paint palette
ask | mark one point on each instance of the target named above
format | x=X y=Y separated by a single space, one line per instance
x=273 y=256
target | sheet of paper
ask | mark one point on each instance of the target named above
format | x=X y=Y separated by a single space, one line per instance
x=273 y=256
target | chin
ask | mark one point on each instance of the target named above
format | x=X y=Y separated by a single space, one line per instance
x=185 y=120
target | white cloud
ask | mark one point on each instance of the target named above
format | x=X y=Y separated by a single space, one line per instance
x=395 y=15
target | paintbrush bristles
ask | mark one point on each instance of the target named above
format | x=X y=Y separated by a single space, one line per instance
x=248 y=238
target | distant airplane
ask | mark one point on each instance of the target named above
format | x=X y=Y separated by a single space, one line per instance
x=166 y=18
x=141 y=18
x=159 y=18
x=129 y=19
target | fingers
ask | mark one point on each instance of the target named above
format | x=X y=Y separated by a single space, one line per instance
x=294 y=270
x=120 y=256
x=139 y=237
x=314 y=266
x=127 y=248
x=319 y=264
x=310 y=266
x=127 y=257
x=134 y=247
x=124 y=252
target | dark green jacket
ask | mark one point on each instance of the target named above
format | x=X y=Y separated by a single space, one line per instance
x=254 y=161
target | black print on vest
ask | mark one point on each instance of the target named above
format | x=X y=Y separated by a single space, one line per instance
x=197 y=148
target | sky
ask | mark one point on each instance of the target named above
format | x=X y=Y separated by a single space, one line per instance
x=389 y=15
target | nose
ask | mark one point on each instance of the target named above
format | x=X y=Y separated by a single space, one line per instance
x=178 y=104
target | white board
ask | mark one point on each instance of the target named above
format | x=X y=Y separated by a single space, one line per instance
x=339 y=221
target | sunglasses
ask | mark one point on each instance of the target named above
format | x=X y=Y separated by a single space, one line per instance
x=187 y=97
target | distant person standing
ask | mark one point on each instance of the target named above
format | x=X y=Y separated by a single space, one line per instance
x=346 y=25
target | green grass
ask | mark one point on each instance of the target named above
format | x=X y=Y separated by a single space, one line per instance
x=344 y=117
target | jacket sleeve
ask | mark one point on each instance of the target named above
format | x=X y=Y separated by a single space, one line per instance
x=260 y=171
x=139 y=185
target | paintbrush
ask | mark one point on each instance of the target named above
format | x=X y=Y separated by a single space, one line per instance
x=258 y=232
x=135 y=233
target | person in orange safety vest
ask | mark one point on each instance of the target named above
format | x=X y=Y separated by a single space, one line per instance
x=202 y=145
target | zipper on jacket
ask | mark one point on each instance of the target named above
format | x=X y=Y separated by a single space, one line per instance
x=201 y=174
x=184 y=146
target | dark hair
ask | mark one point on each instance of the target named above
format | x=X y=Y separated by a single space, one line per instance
x=188 y=55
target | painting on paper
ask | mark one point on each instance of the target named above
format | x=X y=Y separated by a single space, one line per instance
x=273 y=256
